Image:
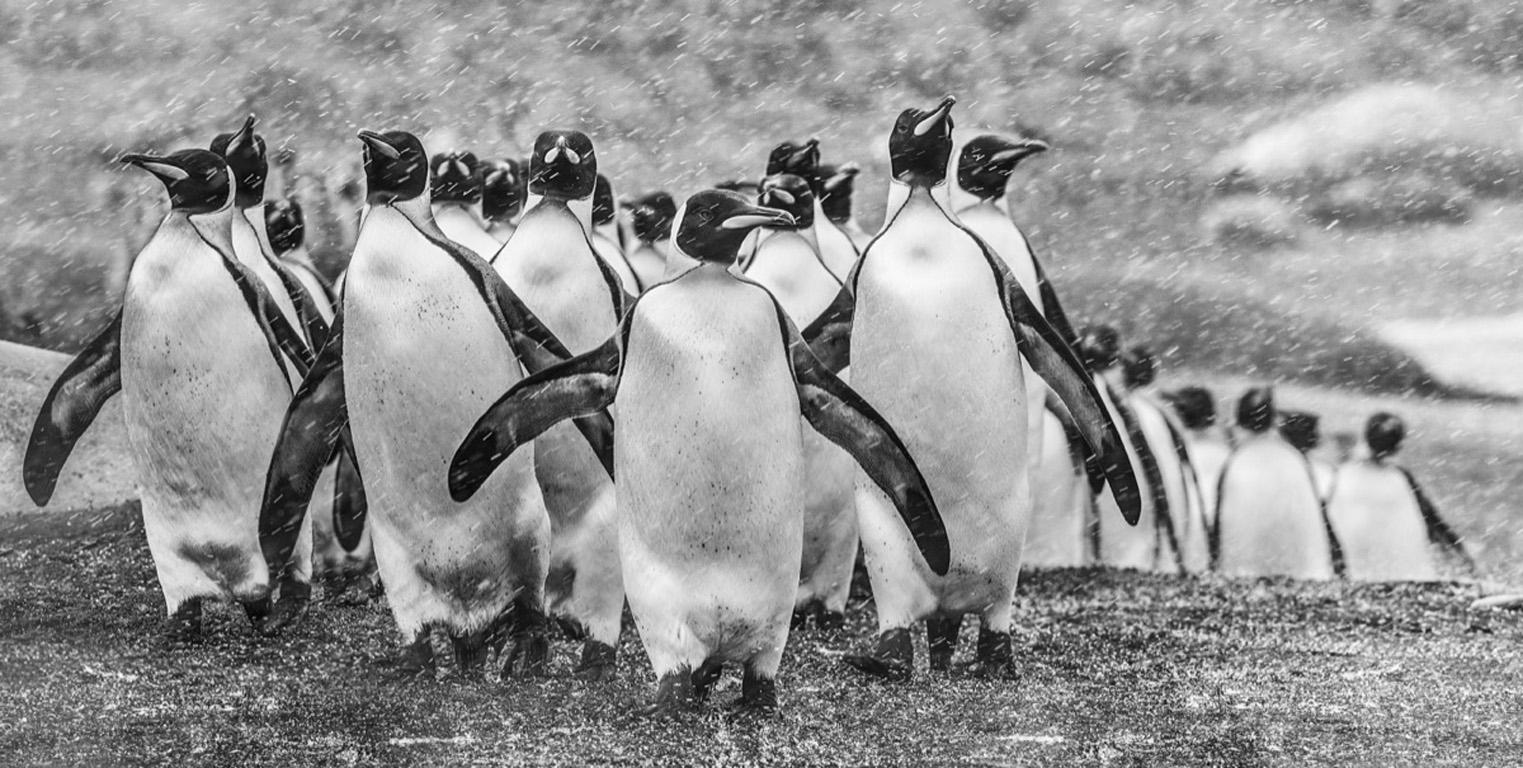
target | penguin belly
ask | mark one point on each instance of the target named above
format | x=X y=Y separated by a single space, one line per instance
x=1057 y=535
x=1379 y=525
x=1209 y=455
x=608 y=251
x=710 y=474
x=1179 y=488
x=204 y=400
x=1270 y=522
x=648 y=260
x=836 y=247
x=933 y=351
x=423 y=359
x=461 y=226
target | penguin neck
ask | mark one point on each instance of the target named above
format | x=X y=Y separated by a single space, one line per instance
x=1112 y=378
x=254 y=215
x=581 y=209
x=215 y=228
x=677 y=262
x=458 y=211
x=976 y=206
x=901 y=195
x=609 y=231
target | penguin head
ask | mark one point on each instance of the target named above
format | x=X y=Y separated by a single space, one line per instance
x=920 y=147
x=1384 y=433
x=603 y=209
x=563 y=165
x=714 y=223
x=1139 y=367
x=198 y=181
x=503 y=190
x=1099 y=347
x=244 y=151
x=1300 y=429
x=651 y=216
x=1195 y=405
x=985 y=165
x=802 y=160
x=454 y=177
x=396 y=167
x=1255 y=411
x=285 y=224
x=790 y=193
x=836 y=189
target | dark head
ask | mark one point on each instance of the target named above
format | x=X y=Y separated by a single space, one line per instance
x=1196 y=407
x=245 y=154
x=198 y=181
x=836 y=189
x=396 y=167
x=921 y=145
x=1255 y=411
x=791 y=194
x=715 y=223
x=503 y=190
x=749 y=188
x=1099 y=347
x=985 y=165
x=603 y=206
x=1139 y=367
x=1301 y=429
x=651 y=216
x=285 y=224
x=1384 y=433
x=801 y=160
x=454 y=177
x=563 y=166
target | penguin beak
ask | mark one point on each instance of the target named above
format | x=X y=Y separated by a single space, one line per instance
x=245 y=135
x=812 y=145
x=162 y=167
x=937 y=116
x=757 y=216
x=778 y=195
x=562 y=148
x=846 y=172
x=379 y=143
x=1020 y=149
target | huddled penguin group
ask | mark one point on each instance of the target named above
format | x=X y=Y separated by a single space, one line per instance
x=528 y=403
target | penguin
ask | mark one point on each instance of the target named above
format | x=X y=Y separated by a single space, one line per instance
x=605 y=235
x=789 y=266
x=650 y=219
x=1269 y=521
x=503 y=190
x=839 y=181
x=709 y=375
x=1185 y=541
x=1061 y=532
x=934 y=326
x=427 y=331
x=1208 y=444
x=1302 y=430
x=198 y=351
x=455 y=189
x=803 y=160
x=1382 y=517
x=553 y=266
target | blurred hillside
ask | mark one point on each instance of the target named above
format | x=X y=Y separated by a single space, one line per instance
x=1250 y=185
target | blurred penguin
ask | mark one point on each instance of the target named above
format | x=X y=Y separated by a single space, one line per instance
x=650 y=219
x=1269 y=521
x=839 y=182
x=1063 y=504
x=1303 y=431
x=1207 y=442
x=1382 y=517
x=605 y=235
x=455 y=189
x=1165 y=435
x=503 y=190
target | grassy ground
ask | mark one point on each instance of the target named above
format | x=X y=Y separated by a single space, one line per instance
x=1117 y=669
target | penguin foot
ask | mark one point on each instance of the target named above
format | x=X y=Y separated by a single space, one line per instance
x=800 y=620
x=258 y=611
x=892 y=657
x=471 y=651
x=704 y=678
x=292 y=604
x=996 y=659
x=830 y=621
x=570 y=628
x=675 y=695
x=941 y=637
x=599 y=662
x=758 y=694
x=184 y=625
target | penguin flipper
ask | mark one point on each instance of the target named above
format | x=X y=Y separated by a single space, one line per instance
x=1078 y=450
x=349 y=503
x=89 y=380
x=1439 y=531
x=309 y=435
x=829 y=336
x=839 y=414
x=1051 y=307
x=583 y=386
x=306 y=307
x=1144 y=452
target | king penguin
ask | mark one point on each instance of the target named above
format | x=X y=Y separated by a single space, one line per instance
x=650 y=219
x=455 y=189
x=198 y=351
x=1303 y=430
x=934 y=328
x=1382 y=517
x=803 y=160
x=1269 y=521
x=836 y=190
x=1209 y=444
x=502 y=198
x=551 y=263
x=710 y=379
x=427 y=332
x=605 y=235
x=1185 y=541
x=788 y=264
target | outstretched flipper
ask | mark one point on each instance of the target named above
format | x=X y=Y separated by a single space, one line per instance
x=841 y=415
x=1439 y=531
x=349 y=503
x=309 y=435
x=90 y=379
x=582 y=386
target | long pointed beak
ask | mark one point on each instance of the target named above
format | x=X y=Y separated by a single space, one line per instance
x=846 y=172
x=379 y=143
x=1023 y=148
x=812 y=145
x=779 y=195
x=161 y=167
x=758 y=216
x=942 y=110
x=245 y=134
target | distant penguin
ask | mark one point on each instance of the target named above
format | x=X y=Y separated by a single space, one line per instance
x=1061 y=533
x=1383 y=520
x=1269 y=521
x=455 y=189
x=199 y=352
x=650 y=219
x=552 y=265
x=1302 y=430
x=605 y=235
x=803 y=160
x=710 y=379
x=1187 y=539
x=836 y=188
x=427 y=332
x=934 y=326
x=789 y=266
x=1207 y=441
x=503 y=189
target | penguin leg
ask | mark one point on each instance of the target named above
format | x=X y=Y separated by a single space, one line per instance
x=675 y=694
x=758 y=690
x=530 y=653
x=258 y=610
x=472 y=649
x=892 y=656
x=995 y=657
x=291 y=601
x=941 y=637
x=597 y=591
x=416 y=659
x=183 y=624
x=704 y=678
